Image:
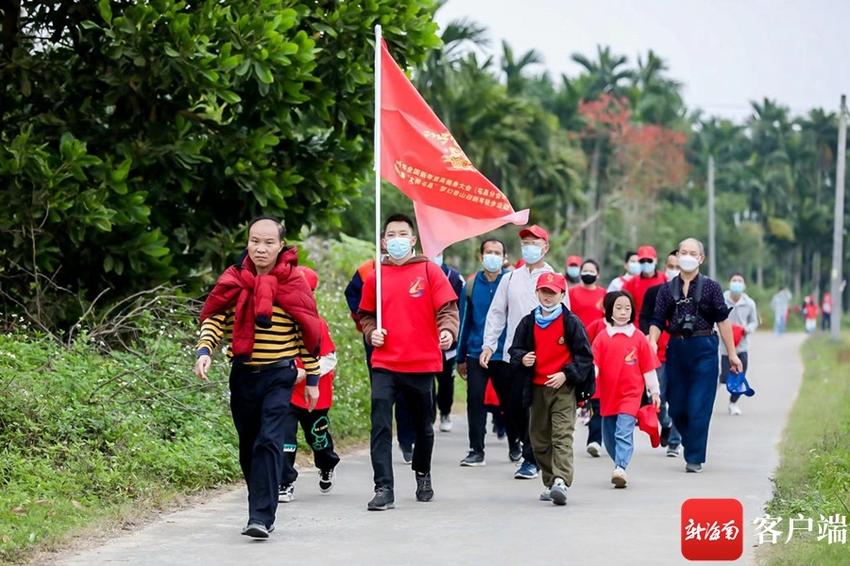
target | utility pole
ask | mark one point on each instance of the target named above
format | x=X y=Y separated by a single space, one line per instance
x=712 y=223
x=838 y=227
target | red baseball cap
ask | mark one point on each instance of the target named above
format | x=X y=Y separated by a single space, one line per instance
x=534 y=231
x=574 y=260
x=646 y=252
x=554 y=282
x=310 y=275
x=647 y=419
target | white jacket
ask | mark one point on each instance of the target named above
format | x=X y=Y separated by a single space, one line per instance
x=744 y=313
x=515 y=297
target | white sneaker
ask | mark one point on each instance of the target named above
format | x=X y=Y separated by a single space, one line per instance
x=619 y=478
x=734 y=409
x=558 y=492
x=594 y=449
x=445 y=423
x=286 y=494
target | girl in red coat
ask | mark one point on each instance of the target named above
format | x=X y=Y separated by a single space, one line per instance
x=626 y=367
x=314 y=422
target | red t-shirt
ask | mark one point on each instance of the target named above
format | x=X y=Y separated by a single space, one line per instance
x=637 y=287
x=622 y=360
x=811 y=311
x=326 y=387
x=412 y=295
x=551 y=350
x=586 y=304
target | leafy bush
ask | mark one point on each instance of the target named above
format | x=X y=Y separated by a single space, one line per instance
x=137 y=137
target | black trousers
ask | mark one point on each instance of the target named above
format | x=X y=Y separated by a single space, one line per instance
x=416 y=389
x=404 y=429
x=594 y=425
x=316 y=427
x=476 y=413
x=444 y=394
x=521 y=415
x=259 y=402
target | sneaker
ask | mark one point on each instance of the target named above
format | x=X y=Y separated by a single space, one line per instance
x=407 y=454
x=672 y=451
x=558 y=492
x=546 y=495
x=515 y=453
x=665 y=435
x=473 y=459
x=693 y=468
x=326 y=480
x=445 y=423
x=734 y=409
x=618 y=477
x=594 y=449
x=256 y=530
x=527 y=471
x=501 y=433
x=424 y=491
x=382 y=501
x=286 y=493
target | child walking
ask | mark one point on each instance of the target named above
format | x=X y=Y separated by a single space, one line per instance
x=551 y=348
x=315 y=423
x=625 y=368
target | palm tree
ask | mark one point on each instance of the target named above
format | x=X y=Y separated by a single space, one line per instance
x=513 y=68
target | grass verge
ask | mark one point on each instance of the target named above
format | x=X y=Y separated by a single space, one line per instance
x=813 y=478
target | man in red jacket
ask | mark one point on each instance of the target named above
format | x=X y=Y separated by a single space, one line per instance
x=649 y=276
x=420 y=321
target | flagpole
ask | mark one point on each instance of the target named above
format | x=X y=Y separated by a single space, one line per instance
x=378 y=292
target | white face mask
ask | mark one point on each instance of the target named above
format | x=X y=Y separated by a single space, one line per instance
x=438 y=259
x=688 y=263
x=671 y=274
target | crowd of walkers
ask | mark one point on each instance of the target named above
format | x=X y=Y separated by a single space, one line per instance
x=543 y=351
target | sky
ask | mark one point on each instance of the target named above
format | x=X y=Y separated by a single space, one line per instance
x=725 y=52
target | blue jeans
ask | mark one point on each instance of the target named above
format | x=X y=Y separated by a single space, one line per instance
x=664 y=419
x=618 y=435
x=691 y=386
x=779 y=318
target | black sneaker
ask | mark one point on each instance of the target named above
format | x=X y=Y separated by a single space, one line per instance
x=326 y=480
x=665 y=435
x=407 y=454
x=256 y=530
x=383 y=500
x=424 y=491
x=515 y=453
x=473 y=459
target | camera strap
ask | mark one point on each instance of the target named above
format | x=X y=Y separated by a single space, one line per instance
x=676 y=293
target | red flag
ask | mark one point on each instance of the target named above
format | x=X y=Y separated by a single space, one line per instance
x=452 y=199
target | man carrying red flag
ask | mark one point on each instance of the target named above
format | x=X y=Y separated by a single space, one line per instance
x=420 y=318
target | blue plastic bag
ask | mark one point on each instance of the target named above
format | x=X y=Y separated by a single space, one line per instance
x=736 y=384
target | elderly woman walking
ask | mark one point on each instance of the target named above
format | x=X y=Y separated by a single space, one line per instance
x=689 y=307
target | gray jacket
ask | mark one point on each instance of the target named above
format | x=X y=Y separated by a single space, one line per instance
x=744 y=313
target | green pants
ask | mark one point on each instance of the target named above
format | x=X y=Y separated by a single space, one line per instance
x=551 y=428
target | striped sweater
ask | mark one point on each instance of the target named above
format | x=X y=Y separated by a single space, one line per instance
x=282 y=340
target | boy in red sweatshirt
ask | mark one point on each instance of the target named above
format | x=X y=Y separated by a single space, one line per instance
x=315 y=423
x=551 y=348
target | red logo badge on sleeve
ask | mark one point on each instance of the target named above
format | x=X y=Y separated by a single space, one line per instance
x=712 y=529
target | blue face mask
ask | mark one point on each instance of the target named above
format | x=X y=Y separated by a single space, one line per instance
x=634 y=268
x=492 y=263
x=532 y=253
x=399 y=247
x=573 y=271
x=438 y=260
x=737 y=287
x=647 y=268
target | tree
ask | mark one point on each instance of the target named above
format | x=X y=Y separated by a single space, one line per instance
x=137 y=137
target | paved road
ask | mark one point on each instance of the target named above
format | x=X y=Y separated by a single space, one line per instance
x=482 y=515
